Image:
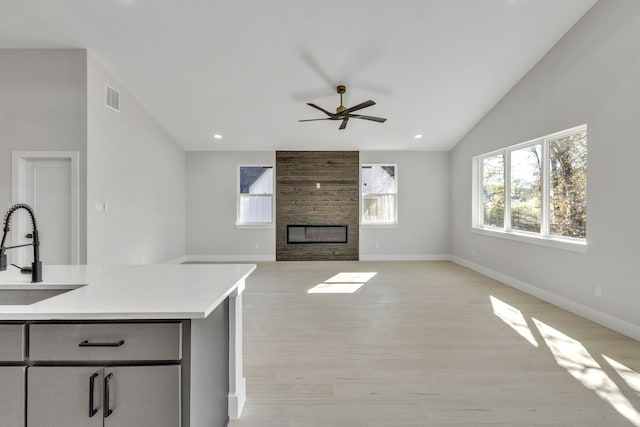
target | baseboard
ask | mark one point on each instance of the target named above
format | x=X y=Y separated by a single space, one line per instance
x=619 y=325
x=178 y=260
x=230 y=258
x=237 y=400
x=405 y=257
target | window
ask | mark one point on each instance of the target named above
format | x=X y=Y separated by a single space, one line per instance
x=255 y=197
x=379 y=194
x=546 y=184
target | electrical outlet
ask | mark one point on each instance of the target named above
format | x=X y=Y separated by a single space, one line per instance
x=257 y=245
x=377 y=245
x=598 y=291
x=473 y=252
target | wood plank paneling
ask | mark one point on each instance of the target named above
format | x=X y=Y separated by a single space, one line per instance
x=299 y=201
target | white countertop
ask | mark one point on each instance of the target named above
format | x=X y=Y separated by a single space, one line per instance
x=128 y=291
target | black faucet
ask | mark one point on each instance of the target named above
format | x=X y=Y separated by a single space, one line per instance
x=36 y=266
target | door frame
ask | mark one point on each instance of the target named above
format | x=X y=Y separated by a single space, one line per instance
x=19 y=161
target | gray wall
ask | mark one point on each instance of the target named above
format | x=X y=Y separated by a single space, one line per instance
x=211 y=208
x=424 y=193
x=591 y=76
x=43 y=107
x=423 y=230
x=137 y=168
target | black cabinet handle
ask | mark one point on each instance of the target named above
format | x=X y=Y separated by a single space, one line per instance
x=86 y=343
x=107 y=388
x=92 y=384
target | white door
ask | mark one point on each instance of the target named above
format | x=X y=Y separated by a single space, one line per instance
x=47 y=184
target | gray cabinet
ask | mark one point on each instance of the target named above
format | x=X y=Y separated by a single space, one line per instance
x=87 y=396
x=12 y=392
x=104 y=374
x=61 y=396
x=12 y=376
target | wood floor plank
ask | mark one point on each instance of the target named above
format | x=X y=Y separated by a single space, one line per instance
x=425 y=344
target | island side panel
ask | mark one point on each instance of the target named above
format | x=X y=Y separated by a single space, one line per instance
x=237 y=381
x=209 y=369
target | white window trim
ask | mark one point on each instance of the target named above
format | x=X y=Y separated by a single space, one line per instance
x=543 y=238
x=379 y=224
x=255 y=225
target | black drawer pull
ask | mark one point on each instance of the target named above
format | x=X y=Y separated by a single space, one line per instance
x=107 y=389
x=86 y=343
x=92 y=385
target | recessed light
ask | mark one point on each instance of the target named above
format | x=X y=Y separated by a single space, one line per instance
x=217 y=136
x=418 y=136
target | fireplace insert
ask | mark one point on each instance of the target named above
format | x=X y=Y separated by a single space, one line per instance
x=315 y=233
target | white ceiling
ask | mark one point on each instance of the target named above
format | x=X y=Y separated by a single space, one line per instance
x=245 y=68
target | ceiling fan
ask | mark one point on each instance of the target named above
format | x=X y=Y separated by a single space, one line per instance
x=343 y=113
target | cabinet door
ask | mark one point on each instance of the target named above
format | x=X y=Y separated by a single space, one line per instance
x=142 y=396
x=64 y=396
x=12 y=389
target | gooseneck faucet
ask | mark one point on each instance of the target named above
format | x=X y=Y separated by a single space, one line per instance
x=36 y=266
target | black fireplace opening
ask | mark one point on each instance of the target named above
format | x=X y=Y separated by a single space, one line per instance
x=315 y=233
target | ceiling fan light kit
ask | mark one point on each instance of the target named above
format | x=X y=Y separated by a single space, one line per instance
x=345 y=114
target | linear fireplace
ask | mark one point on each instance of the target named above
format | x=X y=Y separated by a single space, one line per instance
x=315 y=233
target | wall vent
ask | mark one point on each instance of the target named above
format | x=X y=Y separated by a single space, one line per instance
x=112 y=98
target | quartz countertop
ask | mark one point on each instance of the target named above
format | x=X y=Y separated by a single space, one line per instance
x=187 y=291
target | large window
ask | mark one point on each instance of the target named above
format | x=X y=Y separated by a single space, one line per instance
x=255 y=196
x=535 y=189
x=379 y=194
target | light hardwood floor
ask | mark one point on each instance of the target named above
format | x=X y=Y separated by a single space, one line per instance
x=425 y=344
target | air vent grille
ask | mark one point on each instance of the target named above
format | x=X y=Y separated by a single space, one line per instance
x=112 y=98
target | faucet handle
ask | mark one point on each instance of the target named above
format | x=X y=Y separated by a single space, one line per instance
x=29 y=236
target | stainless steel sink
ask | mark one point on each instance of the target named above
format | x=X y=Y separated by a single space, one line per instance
x=31 y=294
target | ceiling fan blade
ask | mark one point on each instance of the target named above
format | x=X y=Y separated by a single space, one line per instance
x=365 y=104
x=321 y=109
x=344 y=123
x=374 y=119
x=314 y=120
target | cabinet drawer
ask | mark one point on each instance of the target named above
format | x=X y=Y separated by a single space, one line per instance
x=105 y=341
x=11 y=343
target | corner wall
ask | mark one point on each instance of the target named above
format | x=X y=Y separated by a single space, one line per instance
x=211 y=188
x=137 y=169
x=424 y=191
x=43 y=107
x=590 y=76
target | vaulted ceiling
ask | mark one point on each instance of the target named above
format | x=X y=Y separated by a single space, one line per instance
x=245 y=68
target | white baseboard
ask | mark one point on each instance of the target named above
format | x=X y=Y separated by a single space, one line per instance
x=178 y=260
x=406 y=257
x=230 y=258
x=619 y=325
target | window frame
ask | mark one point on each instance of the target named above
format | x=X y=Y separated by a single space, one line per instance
x=379 y=224
x=240 y=224
x=544 y=237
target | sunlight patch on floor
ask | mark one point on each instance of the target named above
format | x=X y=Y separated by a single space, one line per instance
x=574 y=357
x=513 y=318
x=335 y=288
x=354 y=277
x=631 y=377
x=342 y=283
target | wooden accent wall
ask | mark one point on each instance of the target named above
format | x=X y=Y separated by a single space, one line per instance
x=299 y=201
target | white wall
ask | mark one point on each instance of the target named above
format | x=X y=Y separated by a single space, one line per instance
x=212 y=187
x=43 y=107
x=591 y=76
x=135 y=167
x=423 y=230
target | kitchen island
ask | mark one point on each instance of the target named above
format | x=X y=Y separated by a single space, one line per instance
x=141 y=345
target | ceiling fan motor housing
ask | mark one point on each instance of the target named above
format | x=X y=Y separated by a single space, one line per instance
x=341 y=89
